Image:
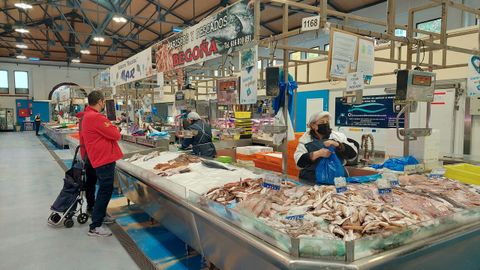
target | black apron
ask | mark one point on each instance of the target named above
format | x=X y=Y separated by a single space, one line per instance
x=202 y=142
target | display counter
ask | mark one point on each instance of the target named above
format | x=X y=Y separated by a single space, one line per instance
x=233 y=239
x=58 y=133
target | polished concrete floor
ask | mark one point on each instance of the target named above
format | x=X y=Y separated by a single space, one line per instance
x=30 y=180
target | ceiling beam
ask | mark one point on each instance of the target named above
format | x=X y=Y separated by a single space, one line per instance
x=367 y=5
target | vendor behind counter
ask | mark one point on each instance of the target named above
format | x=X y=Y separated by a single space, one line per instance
x=314 y=144
x=201 y=142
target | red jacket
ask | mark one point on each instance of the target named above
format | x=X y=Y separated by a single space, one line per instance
x=82 y=141
x=100 y=138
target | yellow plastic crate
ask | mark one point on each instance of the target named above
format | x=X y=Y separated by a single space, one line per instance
x=463 y=172
x=243 y=115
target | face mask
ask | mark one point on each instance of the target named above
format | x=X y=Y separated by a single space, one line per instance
x=324 y=129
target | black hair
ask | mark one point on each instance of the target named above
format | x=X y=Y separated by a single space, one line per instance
x=94 y=97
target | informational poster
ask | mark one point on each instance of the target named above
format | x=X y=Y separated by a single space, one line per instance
x=366 y=58
x=473 y=84
x=104 y=78
x=374 y=112
x=132 y=69
x=219 y=34
x=249 y=76
x=342 y=54
x=227 y=91
x=355 y=81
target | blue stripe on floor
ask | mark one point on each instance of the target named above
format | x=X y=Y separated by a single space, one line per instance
x=161 y=246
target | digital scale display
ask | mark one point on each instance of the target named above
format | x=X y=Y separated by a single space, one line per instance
x=421 y=80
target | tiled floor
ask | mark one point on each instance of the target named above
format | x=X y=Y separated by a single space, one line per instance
x=30 y=180
x=160 y=246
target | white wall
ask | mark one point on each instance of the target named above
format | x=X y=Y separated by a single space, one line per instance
x=43 y=78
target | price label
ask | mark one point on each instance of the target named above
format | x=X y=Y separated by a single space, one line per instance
x=296 y=214
x=311 y=23
x=437 y=173
x=272 y=181
x=340 y=184
x=410 y=169
x=384 y=186
x=393 y=179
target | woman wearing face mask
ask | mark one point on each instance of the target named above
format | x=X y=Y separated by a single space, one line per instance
x=312 y=146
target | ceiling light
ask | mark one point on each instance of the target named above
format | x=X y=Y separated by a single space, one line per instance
x=98 y=38
x=119 y=19
x=23 y=5
x=85 y=51
x=177 y=29
x=22 y=30
x=21 y=46
x=21 y=56
x=76 y=60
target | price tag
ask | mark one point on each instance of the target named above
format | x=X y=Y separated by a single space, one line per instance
x=296 y=214
x=392 y=178
x=384 y=186
x=310 y=23
x=437 y=173
x=272 y=181
x=340 y=184
x=410 y=169
x=420 y=168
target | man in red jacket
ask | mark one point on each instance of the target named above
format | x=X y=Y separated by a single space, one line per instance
x=100 y=138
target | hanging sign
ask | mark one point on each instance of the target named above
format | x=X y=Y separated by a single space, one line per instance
x=219 y=34
x=374 y=112
x=366 y=58
x=249 y=76
x=133 y=69
x=355 y=81
x=104 y=78
x=311 y=23
x=473 y=84
x=342 y=54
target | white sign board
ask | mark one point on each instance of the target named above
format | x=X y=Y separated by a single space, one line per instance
x=473 y=84
x=355 y=81
x=343 y=54
x=366 y=57
x=249 y=76
x=311 y=23
x=133 y=69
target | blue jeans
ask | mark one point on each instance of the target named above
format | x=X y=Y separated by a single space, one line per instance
x=105 y=176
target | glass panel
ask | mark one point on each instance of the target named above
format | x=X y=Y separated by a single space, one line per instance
x=21 y=82
x=324 y=248
x=313 y=55
x=400 y=33
x=3 y=81
x=296 y=56
x=434 y=26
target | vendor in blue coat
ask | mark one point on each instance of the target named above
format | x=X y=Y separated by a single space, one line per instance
x=312 y=146
x=201 y=141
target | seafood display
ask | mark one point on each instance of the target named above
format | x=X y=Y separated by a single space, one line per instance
x=319 y=211
x=182 y=173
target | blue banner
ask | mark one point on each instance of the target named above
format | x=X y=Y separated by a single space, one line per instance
x=374 y=112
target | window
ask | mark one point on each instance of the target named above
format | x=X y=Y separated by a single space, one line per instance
x=259 y=64
x=313 y=55
x=434 y=25
x=296 y=56
x=326 y=47
x=3 y=82
x=21 y=82
x=400 y=33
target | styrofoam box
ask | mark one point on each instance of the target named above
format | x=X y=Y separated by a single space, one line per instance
x=253 y=149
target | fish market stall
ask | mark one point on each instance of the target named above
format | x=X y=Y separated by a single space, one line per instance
x=59 y=132
x=236 y=219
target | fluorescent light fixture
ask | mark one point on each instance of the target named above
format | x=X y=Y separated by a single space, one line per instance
x=22 y=30
x=177 y=29
x=84 y=51
x=21 y=56
x=23 y=5
x=34 y=59
x=76 y=60
x=119 y=19
x=98 y=39
x=21 y=46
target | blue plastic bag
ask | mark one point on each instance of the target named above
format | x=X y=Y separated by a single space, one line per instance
x=363 y=179
x=396 y=164
x=329 y=168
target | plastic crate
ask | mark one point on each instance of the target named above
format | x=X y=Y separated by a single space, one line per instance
x=243 y=115
x=263 y=164
x=245 y=157
x=463 y=172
